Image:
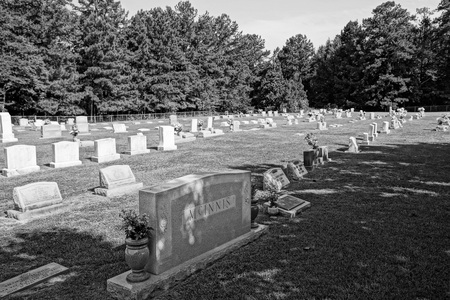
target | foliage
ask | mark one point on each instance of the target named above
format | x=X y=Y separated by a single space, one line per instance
x=311 y=140
x=178 y=127
x=136 y=226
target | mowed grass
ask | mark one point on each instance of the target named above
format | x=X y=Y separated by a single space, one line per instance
x=378 y=228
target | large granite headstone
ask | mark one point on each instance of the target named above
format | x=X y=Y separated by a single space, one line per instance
x=35 y=199
x=197 y=219
x=20 y=159
x=117 y=180
x=173 y=119
x=65 y=154
x=6 y=134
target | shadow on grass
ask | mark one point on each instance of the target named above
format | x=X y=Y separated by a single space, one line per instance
x=90 y=259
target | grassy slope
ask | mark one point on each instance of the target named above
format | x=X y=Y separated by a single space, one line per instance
x=378 y=227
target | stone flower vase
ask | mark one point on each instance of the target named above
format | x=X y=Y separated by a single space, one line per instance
x=137 y=256
x=310 y=158
x=254 y=210
x=272 y=211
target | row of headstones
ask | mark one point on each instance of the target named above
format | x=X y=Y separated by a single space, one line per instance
x=21 y=159
x=42 y=198
x=373 y=134
x=47 y=131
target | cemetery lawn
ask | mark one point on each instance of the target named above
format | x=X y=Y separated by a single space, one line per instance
x=378 y=226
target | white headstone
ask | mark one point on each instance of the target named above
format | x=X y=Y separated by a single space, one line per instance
x=23 y=122
x=166 y=139
x=105 y=150
x=353 y=145
x=117 y=180
x=209 y=123
x=65 y=154
x=137 y=144
x=119 y=128
x=194 y=125
x=20 y=159
x=275 y=179
x=6 y=134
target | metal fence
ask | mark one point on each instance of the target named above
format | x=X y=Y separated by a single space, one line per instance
x=118 y=118
x=431 y=108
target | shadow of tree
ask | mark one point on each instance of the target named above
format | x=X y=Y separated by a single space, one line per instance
x=91 y=261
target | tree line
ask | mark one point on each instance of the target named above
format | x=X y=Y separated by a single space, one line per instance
x=61 y=58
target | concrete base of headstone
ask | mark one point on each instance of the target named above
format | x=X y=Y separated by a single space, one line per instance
x=7 y=138
x=119 y=191
x=158 y=285
x=167 y=148
x=35 y=213
x=66 y=164
x=136 y=152
x=17 y=172
x=207 y=133
x=185 y=139
x=106 y=158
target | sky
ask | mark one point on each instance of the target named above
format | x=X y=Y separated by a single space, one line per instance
x=278 y=20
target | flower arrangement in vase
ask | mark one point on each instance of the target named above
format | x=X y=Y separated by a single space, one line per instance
x=137 y=232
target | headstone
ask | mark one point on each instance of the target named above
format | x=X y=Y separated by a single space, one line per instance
x=372 y=116
x=352 y=109
x=39 y=123
x=236 y=125
x=105 y=150
x=372 y=132
x=137 y=144
x=63 y=127
x=209 y=123
x=119 y=128
x=194 y=214
x=166 y=139
x=23 y=122
x=82 y=124
x=173 y=119
x=263 y=114
x=385 y=128
x=20 y=159
x=117 y=180
x=65 y=154
x=6 y=134
x=30 y=278
x=366 y=140
x=70 y=121
x=348 y=114
x=34 y=200
x=375 y=129
x=194 y=125
x=322 y=125
x=353 y=145
x=275 y=179
x=290 y=206
x=323 y=153
x=295 y=171
x=50 y=131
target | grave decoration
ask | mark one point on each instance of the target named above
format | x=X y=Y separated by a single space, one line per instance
x=197 y=219
x=421 y=111
x=444 y=120
x=270 y=197
x=117 y=180
x=137 y=232
x=200 y=125
x=310 y=156
x=177 y=127
x=34 y=200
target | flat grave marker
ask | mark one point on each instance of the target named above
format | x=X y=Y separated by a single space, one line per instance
x=30 y=278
